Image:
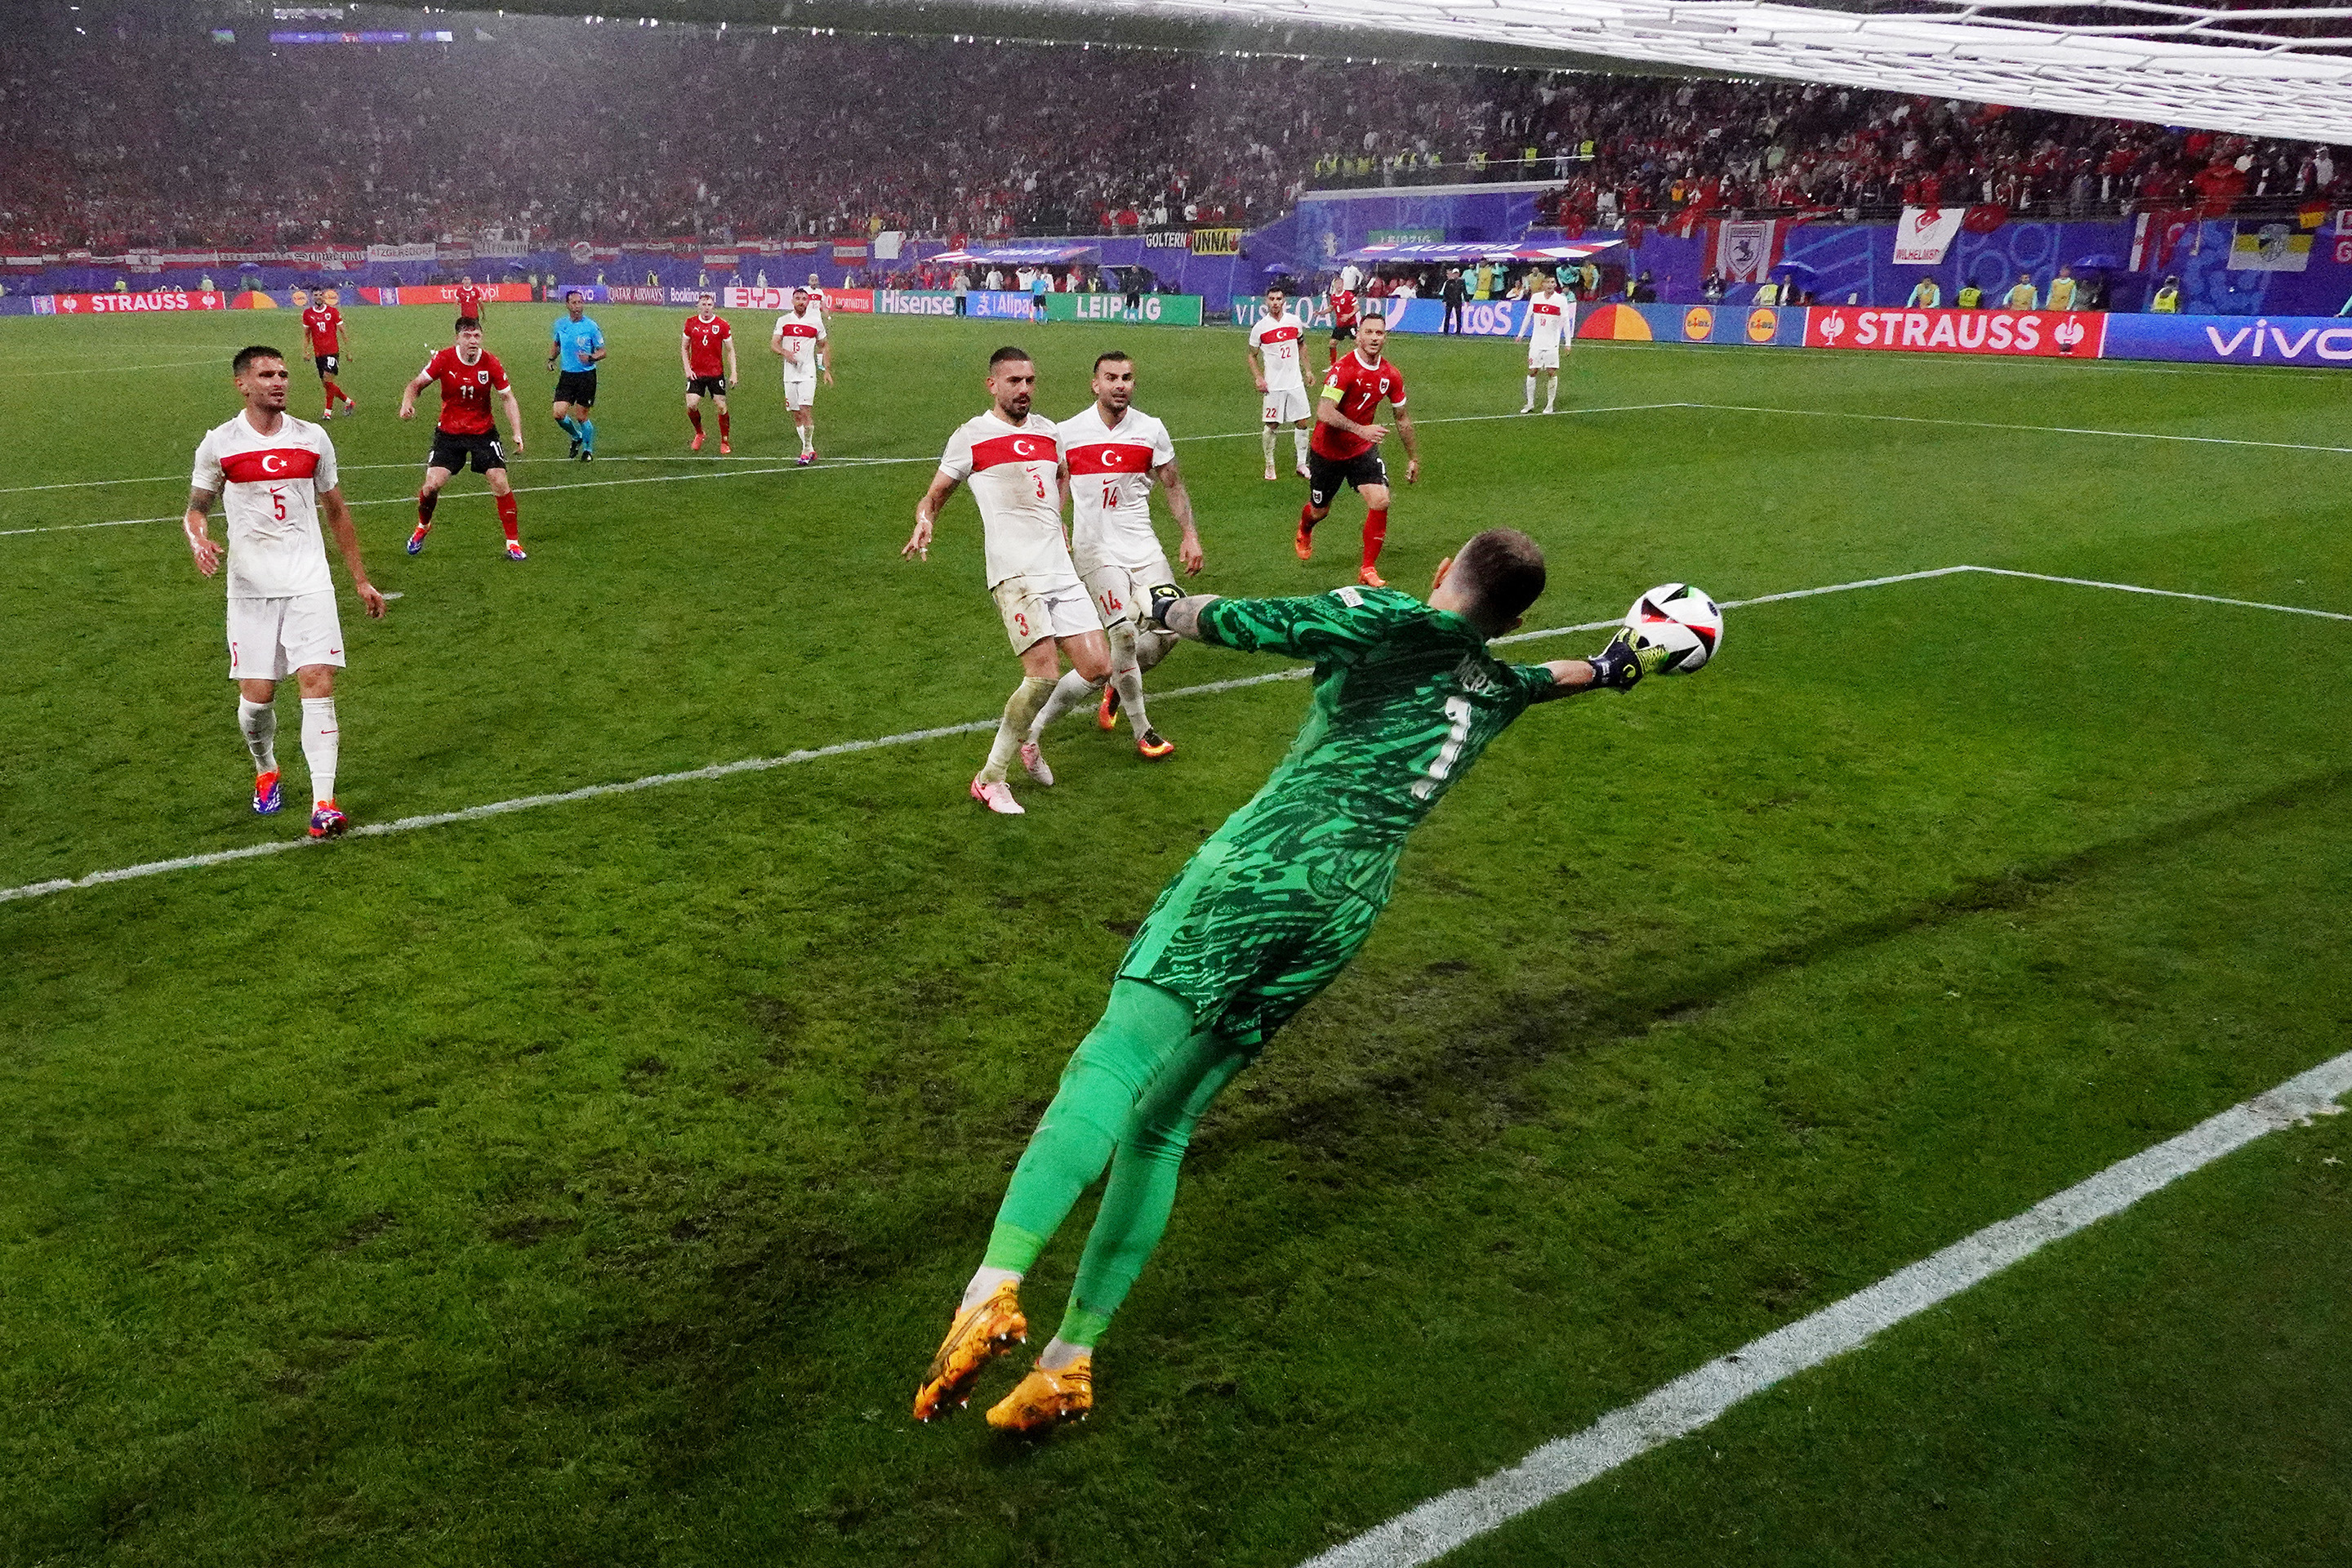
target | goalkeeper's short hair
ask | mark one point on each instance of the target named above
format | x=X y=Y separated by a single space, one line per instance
x=1503 y=569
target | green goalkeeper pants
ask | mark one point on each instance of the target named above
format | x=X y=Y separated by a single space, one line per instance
x=1129 y=1101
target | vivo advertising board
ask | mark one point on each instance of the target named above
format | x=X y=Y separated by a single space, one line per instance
x=2232 y=340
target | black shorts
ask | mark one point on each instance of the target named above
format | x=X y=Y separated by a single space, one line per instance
x=451 y=452
x=705 y=387
x=577 y=387
x=328 y=364
x=1346 y=334
x=1325 y=475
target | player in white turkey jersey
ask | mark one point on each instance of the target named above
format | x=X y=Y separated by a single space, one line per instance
x=1013 y=459
x=272 y=473
x=1551 y=313
x=1274 y=366
x=1112 y=452
x=800 y=338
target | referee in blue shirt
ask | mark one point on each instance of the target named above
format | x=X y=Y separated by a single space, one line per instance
x=579 y=344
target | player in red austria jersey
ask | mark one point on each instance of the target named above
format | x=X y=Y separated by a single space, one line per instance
x=707 y=350
x=1343 y=316
x=322 y=323
x=1346 y=446
x=469 y=299
x=469 y=376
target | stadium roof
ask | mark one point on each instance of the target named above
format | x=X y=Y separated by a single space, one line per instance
x=2265 y=70
x=2274 y=71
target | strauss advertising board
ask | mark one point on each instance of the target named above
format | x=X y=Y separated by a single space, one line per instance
x=2061 y=334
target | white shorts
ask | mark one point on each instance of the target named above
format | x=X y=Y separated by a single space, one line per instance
x=1122 y=590
x=269 y=639
x=1284 y=404
x=800 y=391
x=1543 y=359
x=1035 y=609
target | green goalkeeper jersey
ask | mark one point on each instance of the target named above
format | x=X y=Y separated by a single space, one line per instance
x=1406 y=698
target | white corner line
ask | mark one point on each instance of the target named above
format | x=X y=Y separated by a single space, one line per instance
x=2159 y=592
x=1697 y=1398
x=2025 y=429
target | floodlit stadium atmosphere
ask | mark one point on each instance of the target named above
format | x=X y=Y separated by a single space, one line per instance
x=1175 y=781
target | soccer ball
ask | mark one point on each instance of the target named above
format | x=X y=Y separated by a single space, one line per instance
x=1681 y=620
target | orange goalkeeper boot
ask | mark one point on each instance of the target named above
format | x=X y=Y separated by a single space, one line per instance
x=1044 y=1399
x=979 y=1335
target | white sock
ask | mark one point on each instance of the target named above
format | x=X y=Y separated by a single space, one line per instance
x=1551 y=392
x=1531 y=389
x=1060 y=1353
x=984 y=1281
x=1265 y=440
x=1298 y=439
x=1013 y=728
x=1068 y=692
x=259 y=723
x=808 y=437
x=320 y=746
x=1126 y=673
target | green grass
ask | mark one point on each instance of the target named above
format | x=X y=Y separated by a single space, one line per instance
x=588 y=1185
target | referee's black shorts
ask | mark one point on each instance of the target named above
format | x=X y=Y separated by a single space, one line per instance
x=1325 y=475
x=452 y=451
x=577 y=387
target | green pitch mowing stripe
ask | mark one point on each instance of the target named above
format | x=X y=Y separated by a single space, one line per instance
x=1697 y=1398
x=811 y=754
x=976 y=726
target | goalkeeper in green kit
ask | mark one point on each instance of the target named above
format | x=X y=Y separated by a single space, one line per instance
x=1265 y=914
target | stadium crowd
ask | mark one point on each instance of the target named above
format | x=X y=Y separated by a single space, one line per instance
x=617 y=132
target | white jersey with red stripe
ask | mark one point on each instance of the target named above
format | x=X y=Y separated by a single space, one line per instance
x=800 y=333
x=1013 y=471
x=1547 y=316
x=1111 y=485
x=1277 y=338
x=269 y=486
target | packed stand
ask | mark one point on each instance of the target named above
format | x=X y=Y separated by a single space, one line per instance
x=616 y=132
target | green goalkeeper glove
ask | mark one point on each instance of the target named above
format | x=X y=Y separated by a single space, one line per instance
x=1163 y=595
x=1621 y=665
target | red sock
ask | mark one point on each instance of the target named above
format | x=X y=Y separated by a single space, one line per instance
x=1307 y=519
x=425 y=505
x=1376 y=533
x=694 y=417
x=334 y=393
x=722 y=425
x=507 y=518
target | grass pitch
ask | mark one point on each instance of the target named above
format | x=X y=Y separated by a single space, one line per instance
x=589 y=1184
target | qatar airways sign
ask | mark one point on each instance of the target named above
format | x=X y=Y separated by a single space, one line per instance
x=2054 y=334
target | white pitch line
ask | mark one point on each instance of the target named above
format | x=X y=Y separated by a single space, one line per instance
x=762 y=765
x=1697 y=1398
x=2029 y=429
x=2161 y=592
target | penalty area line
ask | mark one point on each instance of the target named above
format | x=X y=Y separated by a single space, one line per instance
x=908 y=738
x=763 y=764
x=1696 y=1399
